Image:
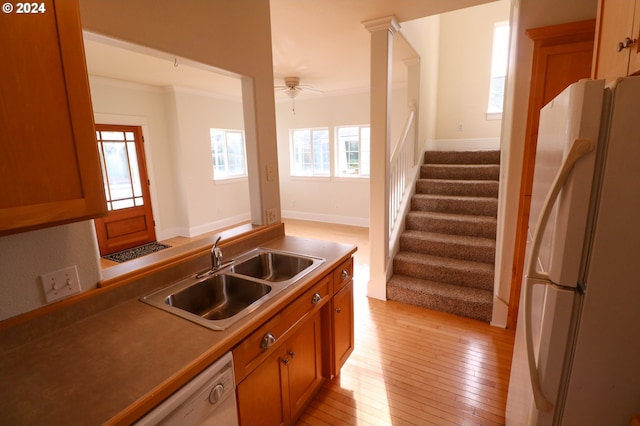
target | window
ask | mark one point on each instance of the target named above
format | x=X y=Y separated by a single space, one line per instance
x=228 y=152
x=118 y=148
x=499 y=58
x=310 y=152
x=353 y=151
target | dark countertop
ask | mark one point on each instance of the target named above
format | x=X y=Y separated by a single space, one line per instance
x=114 y=366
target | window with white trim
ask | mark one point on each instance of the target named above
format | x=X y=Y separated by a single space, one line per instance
x=310 y=152
x=228 y=153
x=499 y=59
x=353 y=151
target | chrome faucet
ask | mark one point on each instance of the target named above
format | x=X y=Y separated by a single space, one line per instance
x=216 y=255
x=216 y=261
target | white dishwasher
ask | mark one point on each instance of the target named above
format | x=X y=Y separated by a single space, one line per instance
x=208 y=399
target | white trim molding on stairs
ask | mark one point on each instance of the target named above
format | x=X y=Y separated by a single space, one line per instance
x=446 y=259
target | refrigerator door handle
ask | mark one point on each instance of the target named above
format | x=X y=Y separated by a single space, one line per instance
x=578 y=149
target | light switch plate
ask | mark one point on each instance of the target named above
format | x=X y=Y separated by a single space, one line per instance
x=60 y=284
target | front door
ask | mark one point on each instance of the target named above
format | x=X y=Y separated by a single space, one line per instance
x=129 y=222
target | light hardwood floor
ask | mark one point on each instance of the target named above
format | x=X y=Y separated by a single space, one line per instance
x=410 y=366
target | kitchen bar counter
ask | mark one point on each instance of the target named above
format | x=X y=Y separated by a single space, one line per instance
x=114 y=366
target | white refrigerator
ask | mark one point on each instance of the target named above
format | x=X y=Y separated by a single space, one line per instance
x=576 y=357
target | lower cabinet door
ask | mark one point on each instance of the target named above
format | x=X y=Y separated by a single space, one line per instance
x=304 y=365
x=260 y=394
x=343 y=325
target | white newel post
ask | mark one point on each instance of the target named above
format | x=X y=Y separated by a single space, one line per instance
x=382 y=31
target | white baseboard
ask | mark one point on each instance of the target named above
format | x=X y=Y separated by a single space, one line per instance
x=165 y=234
x=500 y=313
x=463 y=144
x=194 y=231
x=318 y=217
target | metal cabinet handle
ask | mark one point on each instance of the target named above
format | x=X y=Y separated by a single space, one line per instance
x=626 y=43
x=344 y=274
x=268 y=340
x=338 y=310
x=285 y=361
x=316 y=298
x=293 y=354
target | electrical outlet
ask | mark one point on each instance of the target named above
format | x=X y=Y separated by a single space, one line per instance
x=60 y=284
x=271 y=216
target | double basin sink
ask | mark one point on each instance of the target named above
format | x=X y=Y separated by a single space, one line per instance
x=220 y=298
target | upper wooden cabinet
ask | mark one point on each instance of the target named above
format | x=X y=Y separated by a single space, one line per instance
x=50 y=170
x=617 y=51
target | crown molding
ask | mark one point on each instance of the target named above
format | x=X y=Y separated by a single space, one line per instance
x=389 y=23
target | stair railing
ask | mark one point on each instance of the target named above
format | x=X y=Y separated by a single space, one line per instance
x=401 y=165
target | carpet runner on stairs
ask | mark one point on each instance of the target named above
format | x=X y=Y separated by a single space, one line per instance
x=447 y=252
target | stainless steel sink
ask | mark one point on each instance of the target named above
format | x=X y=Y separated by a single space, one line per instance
x=272 y=266
x=218 y=296
x=224 y=296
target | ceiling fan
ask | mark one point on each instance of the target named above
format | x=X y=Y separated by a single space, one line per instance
x=292 y=88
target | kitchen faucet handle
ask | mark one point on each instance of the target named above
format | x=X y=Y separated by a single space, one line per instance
x=216 y=254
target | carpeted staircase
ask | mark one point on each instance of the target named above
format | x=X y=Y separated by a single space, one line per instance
x=447 y=252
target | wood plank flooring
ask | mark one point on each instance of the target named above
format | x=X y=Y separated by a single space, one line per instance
x=411 y=366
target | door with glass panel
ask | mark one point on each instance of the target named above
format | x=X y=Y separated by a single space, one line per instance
x=129 y=221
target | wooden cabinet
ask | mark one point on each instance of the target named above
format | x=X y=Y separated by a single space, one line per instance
x=561 y=55
x=50 y=170
x=260 y=397
x=303 y=362
x=281 y=365
x=617 y=51
x=342 y=322
x=343 y=326
x=278 y=389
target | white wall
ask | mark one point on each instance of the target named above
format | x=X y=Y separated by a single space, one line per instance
x=424 y=35
x=209 y=204
x=455 y=50
x=466 y=42
x=176 y=123
x=328 y=199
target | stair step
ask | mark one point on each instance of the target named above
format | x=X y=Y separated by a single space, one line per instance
x=480 y=206
x=460 y=171
x=451 y=271
x=452 y=246
x=467 y=302
x=479 y=188
x=462 y=157
x=447 y=251
x=447 y=223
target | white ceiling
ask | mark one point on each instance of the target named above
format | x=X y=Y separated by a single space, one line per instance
x=321 y=41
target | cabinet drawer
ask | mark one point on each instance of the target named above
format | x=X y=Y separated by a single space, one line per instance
x=342 y=275
x=248 y=354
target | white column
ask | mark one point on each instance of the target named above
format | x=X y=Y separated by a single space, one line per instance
x=382 y=31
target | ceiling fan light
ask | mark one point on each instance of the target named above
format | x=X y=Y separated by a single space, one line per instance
x=292 y=92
